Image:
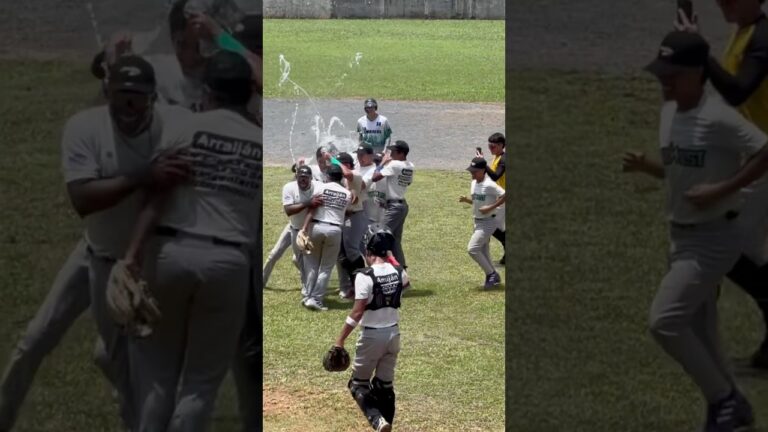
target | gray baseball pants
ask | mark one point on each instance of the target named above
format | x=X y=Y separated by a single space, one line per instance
x=114 y=364
x=683 y=316
x=67 y=300
x=202 y=290
x=319 y=263
x=352 y=233
x=300 y=262
x=376 y=354
x=394 y=219
x=479 y=244
x=282 y=244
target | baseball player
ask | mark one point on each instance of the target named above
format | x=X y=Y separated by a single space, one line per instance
x=298 y=197
x=197 y=263
x=106 y=155
x=373 y=128
x=281 y=245
x=353 y=230
x=325 y=234
x=486 y=198
x=740 y=78
x=497 y=172
x=378 y=292
x=703 y=145
x=397 y=173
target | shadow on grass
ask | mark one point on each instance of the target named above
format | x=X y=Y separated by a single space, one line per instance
x=268 y=288
x=414 y=292
x=492 y=289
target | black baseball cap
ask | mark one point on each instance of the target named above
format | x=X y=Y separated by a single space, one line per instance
x=679 y=51
x=400 y=146
x=365 y=148
x=228 y=73
x=477 y=164
x=304 y=171
x=334 y=172
x=132 y=73
x=345 y=158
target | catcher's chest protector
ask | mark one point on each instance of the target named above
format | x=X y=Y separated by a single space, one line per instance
x=387 y=289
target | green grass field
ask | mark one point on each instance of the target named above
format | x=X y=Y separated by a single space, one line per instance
x=588 y=248
x=402 y=59
x=451 y=364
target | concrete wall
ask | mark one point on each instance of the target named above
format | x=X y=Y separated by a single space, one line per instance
x=419 y=9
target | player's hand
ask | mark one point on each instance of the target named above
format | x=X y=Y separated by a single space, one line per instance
x=169 y=171
x=486 y=209
x=316 y=201
x=633 y=162
x=120 y=44
x=684 y=24
x=705 y=195
x=479 y=154
x=205 y=26
x=464 y=199
x=301 y=161
x=387 y=158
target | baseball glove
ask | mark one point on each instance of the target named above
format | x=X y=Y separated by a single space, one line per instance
x=130 y=302
x=303 y=242
x=336 y=359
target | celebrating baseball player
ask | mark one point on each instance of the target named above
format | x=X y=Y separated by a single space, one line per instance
x=497 y=172
x=298 y=198
x=192 y=245
x=352 y=232
x=397 y=173
x=703 y=145
x=324 y=235
x=373 y=128
x=106 y=154
x=378 y=292
x=486 y=198
x=740 y=78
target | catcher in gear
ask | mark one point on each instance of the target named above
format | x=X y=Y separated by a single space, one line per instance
x=378 y=290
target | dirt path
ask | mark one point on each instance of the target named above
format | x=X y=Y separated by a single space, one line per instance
x=441 y=135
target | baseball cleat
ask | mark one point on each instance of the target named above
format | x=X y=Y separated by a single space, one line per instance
x=492 y=280
x=732 y=414
x=383 y=425
x=315 y=305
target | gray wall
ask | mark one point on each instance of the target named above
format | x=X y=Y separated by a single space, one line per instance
x=420 y=9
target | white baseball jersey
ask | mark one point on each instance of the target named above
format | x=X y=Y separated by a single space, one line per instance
x=706 y=144
x=360 y=192
x=485 y=193
x=223 y=198
x=375 y=132
x=386 y=316
x=336 y=199
x=398 y=175
x=292 y=194
x=376 y=195
x=93 y=149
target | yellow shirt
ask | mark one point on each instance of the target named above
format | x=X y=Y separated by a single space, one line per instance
x=501 y=181
x=755 y=109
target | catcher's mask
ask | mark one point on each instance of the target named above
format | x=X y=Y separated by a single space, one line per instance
x=378 y=240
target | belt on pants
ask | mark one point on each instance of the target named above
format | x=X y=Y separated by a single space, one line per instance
x=397 y=201
x=728 y=216
x=327 y=223
x=379 y=328
x=173 y=232
x=89 y=250
x=482 y=219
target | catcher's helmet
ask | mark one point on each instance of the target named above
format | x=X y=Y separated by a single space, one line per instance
x=371 y=103
x=378 y=240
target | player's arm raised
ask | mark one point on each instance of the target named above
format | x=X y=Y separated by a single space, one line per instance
x=377 y=175
x=638 y=162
